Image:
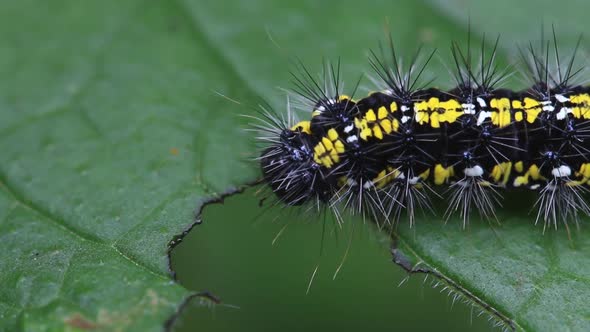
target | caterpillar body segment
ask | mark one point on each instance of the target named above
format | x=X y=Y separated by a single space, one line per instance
x=393 y=150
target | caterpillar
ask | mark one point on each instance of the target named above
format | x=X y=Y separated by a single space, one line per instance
x=397 y=148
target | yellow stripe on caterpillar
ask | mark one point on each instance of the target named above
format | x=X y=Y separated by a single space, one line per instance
x=531 y=174
x=519 y=166
x=442 y=174
x=393 y=107
x=501 y=115
x=327 y=151
x=304 y=126
x=386 y=125
x=370 y=116
x=434 y=112
x=501 y=172
x=382 y=113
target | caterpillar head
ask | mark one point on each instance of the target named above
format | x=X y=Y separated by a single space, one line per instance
x=288 y=167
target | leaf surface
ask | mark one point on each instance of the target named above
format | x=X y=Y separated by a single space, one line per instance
x=111 y=134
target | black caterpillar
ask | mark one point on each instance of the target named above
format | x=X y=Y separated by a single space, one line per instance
x=388 y=152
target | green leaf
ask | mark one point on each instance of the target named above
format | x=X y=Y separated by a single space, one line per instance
x=111 y=134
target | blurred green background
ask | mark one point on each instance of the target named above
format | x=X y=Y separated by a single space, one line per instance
x=232 y=255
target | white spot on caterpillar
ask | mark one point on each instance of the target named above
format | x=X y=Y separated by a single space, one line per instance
x=561 y=171
x=351 y=139
x=414 y=180
x=481 y=102
x=321 y=109
x=468 y=108
x=483 y=115
x=547 y=107
x=368 y=184
x=404 y=108
x=534 y=186
x=473 y=171
x=405 y=118
x=331 y=101
x=562 y=98
x=351 y=182
x=388 y=92
x=348 y=129
x=563 y=112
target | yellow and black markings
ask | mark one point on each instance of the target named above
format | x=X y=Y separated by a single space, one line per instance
x=434 y=112
x=303 y=126
x=531 y=175
x=441 y=174
x=500 y=173
x=581 y=105
x=327 y=151
x=377 y=124
x=582 y=176
x=381 y=119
